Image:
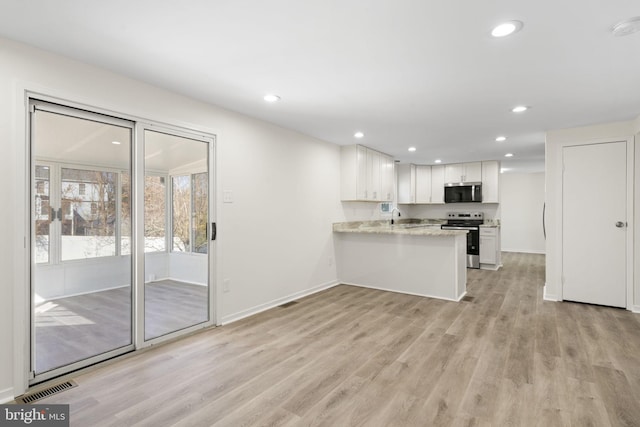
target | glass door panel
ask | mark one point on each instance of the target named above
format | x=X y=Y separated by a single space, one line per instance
x=176 y=215
x=81 y=215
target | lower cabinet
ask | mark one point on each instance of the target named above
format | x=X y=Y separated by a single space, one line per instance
x=490 y=258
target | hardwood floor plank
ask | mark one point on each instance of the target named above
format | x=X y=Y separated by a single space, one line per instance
x=350 y=356
x=613 y=386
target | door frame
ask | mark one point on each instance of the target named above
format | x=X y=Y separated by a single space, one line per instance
x=24 y=92
x=556 y=177
x=36 y=104
x=138 y=217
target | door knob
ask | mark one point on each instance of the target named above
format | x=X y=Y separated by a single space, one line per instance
x=621 y=224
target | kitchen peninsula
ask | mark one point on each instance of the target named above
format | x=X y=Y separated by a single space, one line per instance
x=412 y=258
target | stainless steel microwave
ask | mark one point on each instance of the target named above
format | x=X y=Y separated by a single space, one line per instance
x=463 y=192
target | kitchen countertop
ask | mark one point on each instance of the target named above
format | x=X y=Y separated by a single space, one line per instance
x=406 y=227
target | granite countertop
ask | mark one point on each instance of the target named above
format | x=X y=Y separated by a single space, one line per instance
x=406 y=227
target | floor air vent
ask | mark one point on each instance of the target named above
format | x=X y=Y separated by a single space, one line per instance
x=288 y=304
x=49 y=391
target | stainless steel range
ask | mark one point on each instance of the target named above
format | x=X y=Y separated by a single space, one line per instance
x=467 y=221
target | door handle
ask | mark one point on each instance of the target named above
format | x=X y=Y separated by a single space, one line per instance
x=214 y=231
x=621 y=224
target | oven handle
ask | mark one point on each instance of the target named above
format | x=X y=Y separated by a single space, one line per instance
x=450 y=227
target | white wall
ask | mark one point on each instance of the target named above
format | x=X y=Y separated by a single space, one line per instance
x=274 y=240
x=522 y=199
x=555 y=140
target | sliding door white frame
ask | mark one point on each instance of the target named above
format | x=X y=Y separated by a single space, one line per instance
x=22 y=294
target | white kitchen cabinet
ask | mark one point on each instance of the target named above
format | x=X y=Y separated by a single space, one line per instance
x=437 y=184
x=406 y=183
x=364 y=174
x=491 y=182
x=373 y=175
x=423 y=184
x=490 y=255
x=463 y=172
x=387 y=181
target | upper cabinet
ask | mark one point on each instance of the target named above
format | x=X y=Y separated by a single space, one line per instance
x=491 y=182
x=388 y=178
x=463 y=172
x=366 y=174
x=406 y=183
x=425 y=184
x=437 y=184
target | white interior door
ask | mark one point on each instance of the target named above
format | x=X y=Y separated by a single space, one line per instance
x=594 y=217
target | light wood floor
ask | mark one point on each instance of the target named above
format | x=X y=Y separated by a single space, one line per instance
x=354 y=356
x=75 y=328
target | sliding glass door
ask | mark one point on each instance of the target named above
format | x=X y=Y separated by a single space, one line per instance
x=81 y=275
x=121 y=232
x=176 y=243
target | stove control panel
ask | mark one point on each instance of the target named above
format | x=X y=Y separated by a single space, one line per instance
x=478 y=216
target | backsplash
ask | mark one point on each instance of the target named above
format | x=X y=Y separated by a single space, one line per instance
x=367 y=211
x=491 y=211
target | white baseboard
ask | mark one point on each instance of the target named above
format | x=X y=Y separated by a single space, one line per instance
x=87 y=293
x=271 y=304
x=635 y=309
x=6 y=395
x=549 y=297
x=525 y=251
x=407 y=293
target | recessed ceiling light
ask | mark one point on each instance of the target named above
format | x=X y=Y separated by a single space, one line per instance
x=437 y=161
x=358 y=135
x=271 y=98
x=519 y=109
x=412 y=149
x=626 y=27
x=116 y=142
x=506 y=28
x=509 y=155
x=501 y=139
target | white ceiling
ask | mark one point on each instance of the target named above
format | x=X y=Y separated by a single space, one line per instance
x=72 y=140
x=407 y=72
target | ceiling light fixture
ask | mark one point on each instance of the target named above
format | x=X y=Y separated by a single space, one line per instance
x=626 y=27
x=271 y=98
x=507 y=28
x=358 y=135
x=412 y=149
x=437 y=161
x=116 y=142
x=509 y=155
x=501 y=139
x=519 y=109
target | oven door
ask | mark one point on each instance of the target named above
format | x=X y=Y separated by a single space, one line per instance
x=473 y=243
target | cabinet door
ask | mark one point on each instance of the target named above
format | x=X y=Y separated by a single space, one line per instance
x=387 y=181
x=491 y=182
x=386 y=178
x=373 y=175
x=487 y=249
x=437 y=184
x=406 y=183
x=361 y=172
x=453 y=172
x=472 y=172
x=423 y=184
